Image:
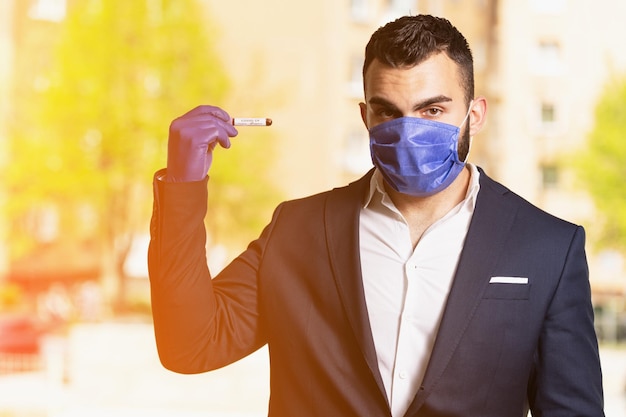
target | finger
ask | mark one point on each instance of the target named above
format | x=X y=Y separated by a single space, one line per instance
x=207 y=137
x=210 y=110
x=204 y=120
x=223 y=136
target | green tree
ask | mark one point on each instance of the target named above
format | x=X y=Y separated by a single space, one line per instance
x=88 y=138
x=601 y=165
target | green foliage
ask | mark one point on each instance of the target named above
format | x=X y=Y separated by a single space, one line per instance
x=601 y=165
x=88 y=138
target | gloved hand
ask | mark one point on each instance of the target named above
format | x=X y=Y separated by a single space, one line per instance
x=192 y=139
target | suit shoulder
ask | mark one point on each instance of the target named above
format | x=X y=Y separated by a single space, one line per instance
x=525 y=208
x=351 y=192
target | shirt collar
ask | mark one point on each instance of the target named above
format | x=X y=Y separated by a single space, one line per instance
x=376 y=188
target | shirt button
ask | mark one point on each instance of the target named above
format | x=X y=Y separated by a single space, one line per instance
x=402 y=375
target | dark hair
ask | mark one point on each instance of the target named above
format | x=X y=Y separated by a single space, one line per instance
x=410 y=40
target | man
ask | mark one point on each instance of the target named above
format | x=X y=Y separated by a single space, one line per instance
x=423 y=289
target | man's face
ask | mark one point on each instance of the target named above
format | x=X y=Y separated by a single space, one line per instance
x=430 y=90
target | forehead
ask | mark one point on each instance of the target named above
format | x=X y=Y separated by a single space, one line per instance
x=437 y=75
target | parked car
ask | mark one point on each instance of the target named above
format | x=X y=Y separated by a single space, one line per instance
x=20 y=344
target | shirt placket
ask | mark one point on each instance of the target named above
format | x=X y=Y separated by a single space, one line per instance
x=409 y=347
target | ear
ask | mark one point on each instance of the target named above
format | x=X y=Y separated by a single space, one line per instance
x=478 y=115
x=363 y=108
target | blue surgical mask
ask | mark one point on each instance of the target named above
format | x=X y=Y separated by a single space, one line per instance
x=417 y=156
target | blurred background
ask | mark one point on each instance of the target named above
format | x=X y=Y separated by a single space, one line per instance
x=88 y=89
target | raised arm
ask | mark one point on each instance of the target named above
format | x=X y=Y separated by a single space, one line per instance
x=198 y=325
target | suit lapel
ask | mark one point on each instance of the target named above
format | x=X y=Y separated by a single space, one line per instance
x=488 y=230
x=490 y=226
x=342 y=233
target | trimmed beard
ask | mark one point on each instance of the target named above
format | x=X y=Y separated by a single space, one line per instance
x=463 y=146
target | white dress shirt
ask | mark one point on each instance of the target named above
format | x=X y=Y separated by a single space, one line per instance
x=406 y=289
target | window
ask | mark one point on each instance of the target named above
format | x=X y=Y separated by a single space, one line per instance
x=547 y=119
x=399 y=8
x=548 y=114
x=50 y=10
x=548 y=6
x=43 y=223
x=355 y=84
x=549 y=176
x=360 y=10
x=547 y=58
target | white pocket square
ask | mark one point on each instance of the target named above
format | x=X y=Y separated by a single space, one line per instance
x=508 y=280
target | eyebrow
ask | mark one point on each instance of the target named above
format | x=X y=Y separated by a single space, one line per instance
x=420 y=105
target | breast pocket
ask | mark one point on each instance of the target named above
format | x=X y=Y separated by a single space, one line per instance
x=497 y=291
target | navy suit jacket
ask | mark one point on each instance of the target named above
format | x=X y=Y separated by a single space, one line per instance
x=501 y=349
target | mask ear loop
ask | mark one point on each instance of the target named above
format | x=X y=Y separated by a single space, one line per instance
x=469 y=110
x=469 y=149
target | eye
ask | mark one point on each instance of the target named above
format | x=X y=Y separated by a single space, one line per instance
x=385 y=113
x=432 y=112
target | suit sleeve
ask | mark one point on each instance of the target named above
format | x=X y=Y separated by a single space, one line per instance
x=567 y=379
x=198 y=326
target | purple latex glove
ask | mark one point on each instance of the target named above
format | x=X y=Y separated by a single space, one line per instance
x=192 y=139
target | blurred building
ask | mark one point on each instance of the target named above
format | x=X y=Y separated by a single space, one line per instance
x=540 y=63
x=301 y=62
x=554 y=58
x=6 y=68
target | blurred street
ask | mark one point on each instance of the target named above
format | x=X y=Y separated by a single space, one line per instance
x=110 y=369
x=113 y=370
x=614 y=371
